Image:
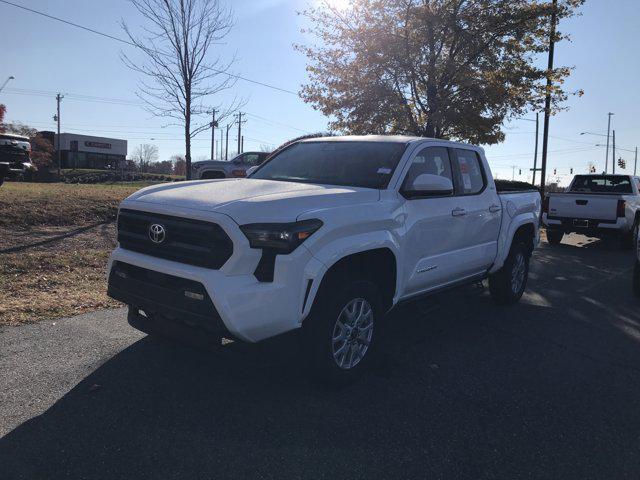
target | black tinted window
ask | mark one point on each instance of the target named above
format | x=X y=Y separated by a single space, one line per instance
x=470 y=171
x=357 y=164
x=601 y=184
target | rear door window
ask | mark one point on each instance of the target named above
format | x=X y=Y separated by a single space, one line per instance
x=471 y=179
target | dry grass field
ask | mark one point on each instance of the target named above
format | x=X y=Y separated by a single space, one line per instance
x=54 y=244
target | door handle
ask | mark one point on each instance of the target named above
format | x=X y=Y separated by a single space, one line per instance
x=458 y=212
x=495 y=208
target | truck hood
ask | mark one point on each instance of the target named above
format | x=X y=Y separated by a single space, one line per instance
x=250 y=201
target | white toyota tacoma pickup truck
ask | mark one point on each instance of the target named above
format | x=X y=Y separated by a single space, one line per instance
x=594 y=205
x=325 y=237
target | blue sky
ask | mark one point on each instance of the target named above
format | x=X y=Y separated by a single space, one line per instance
x=49 y=56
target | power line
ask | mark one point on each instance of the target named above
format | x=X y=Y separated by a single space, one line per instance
x=277 y=123
x=568 y=150
x=121 y=40
x=58 y=19
x=118 y=101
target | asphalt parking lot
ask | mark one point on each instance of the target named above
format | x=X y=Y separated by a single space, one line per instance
x=548 y=388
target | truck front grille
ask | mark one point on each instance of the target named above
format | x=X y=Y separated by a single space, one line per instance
x=183 y=240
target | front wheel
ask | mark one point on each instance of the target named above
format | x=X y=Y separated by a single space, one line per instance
x=507 y=284
x=340 y=334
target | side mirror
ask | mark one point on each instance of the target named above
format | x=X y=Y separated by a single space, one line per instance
x=428 y=185
x=250 y=170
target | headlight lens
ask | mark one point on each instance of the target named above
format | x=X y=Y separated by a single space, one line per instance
x=280 y=237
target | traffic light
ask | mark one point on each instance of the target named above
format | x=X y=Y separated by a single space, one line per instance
x=622 y=163
x=520 y=172
x=592 y=169
x=554 y=171
x=571 y=170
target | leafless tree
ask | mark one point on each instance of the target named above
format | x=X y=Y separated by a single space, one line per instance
x=144 y=154
x=178 y=73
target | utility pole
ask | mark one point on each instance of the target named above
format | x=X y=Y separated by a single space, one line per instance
x=239 y=133
x=606 y=155
x=535 y=154
x=57 y=117
x=213 y=134
x=635 y=163
x=226 y=148
x=513 y=172
x=614 y=153
x=547 y=101
x=242 y=145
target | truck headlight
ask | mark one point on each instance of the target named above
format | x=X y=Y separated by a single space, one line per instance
x=281 y=237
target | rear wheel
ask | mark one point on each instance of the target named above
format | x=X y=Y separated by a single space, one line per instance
x=340 y=334
x=629 y=240
x=554 y=237
x=507 y=284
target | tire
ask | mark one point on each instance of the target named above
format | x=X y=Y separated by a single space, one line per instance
x=636 y=279
x=629 y=240
x=508 y=284
x=625 y=241
x=338 y=353
x=554 y=237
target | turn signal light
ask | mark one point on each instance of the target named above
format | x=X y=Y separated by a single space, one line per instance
x=621 y=208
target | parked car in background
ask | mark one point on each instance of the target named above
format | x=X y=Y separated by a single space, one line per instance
x=596 y=206
x=325 y=237
x=237 y=167
x=15 y=155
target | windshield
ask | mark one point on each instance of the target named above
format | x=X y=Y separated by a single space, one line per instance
x=601 y=184
x=354 y=164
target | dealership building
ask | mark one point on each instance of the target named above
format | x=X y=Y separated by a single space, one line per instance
x=84 y=151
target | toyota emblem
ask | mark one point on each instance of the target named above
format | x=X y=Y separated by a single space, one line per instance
x=157 y=233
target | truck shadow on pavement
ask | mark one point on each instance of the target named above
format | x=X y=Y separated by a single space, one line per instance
x=464 y=389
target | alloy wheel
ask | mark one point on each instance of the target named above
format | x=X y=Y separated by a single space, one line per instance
x=352 y=333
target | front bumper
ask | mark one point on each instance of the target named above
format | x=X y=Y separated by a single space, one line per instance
x=163 y=297
x=8 y=168
x=242 y=307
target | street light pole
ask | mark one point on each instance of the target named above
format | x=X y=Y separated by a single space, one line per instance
x=58 y=98
x=614 y=153
x=606 y=156
x=11 y=77
x=535 y=154
x=213 y=134
x=635 y=163
x=547 y=100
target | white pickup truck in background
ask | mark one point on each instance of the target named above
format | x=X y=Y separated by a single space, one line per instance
x=325 y=237
x=596 y=206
